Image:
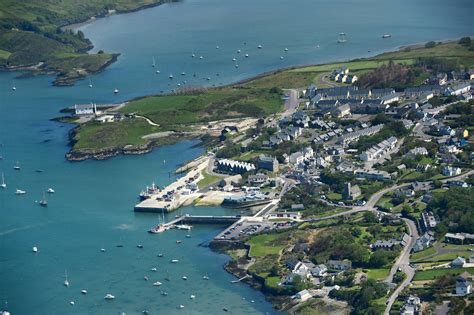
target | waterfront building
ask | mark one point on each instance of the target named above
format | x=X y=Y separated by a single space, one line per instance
x=85 y=109
x=234 y=167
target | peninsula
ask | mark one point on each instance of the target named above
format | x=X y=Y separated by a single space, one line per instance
x=32 y=36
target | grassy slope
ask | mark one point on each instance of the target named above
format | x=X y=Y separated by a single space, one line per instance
x=432 y=274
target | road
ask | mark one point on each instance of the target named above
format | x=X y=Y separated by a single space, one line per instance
x=323 y=81
x=403 y=262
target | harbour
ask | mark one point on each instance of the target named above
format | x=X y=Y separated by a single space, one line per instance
x=97 y=197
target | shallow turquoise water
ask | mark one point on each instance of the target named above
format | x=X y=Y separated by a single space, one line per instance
x=92 y=206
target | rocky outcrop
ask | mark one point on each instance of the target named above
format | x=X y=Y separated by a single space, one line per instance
x=103 y=154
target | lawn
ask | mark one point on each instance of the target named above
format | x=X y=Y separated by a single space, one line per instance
x=95 y=135
x=215 y=104
x=208 y=180
x=419 y=255
x=267 y=244
x=378 y=274
x=385 y=202
x=432 y=274
x=334 y=196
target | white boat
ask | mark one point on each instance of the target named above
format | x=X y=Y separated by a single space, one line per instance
x=17 y=166
x=102 y=250
x=246 y=55
x=20 y=192
x=183 y=73
x=66 y=281
x=116 y=91
x=184 y=278
x=153 y=269
x=238 y=51
x=193 y=55
x=157 y=71
x=3 y=185
x=145 y=278
x=217 y=47
x=164 y=293
x=50 y=191
x=109 y=297
x=208 y=78
x=183 y=227
x=236 y=66
x=386 y=36
x=72 y=303
x=281 y=57
x=157 y=283
x=201 y=57
x=153 y=64
x=259 y=47
x=84 y=291
x=192 y=297
x=43 y=202
x=171 y=76
x=34 y=249
x=205 y=277
x=233 y=59
x=286 y=49
x=160 y=255
x=188 y=235
x=90 y=83
x=342 y=38
x=181 y=306
x=174 y=261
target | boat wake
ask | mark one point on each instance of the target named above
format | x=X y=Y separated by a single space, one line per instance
x=27 y=227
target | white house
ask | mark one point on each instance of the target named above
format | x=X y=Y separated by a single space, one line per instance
x=302 y=296
x=463 y=285
x=451 y=171
x=85 y=109
x=458 y=262
x=297 y=158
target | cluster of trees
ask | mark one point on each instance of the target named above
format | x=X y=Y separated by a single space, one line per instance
x=466 y=110
x=335 y=180
x=362 y=300
x=455 y=208
x=389 y=75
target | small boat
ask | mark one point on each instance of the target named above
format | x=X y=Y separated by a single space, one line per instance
x=386 y=36
x=201 y=57
x=17 y=166
x=233 y=59
x=174 y=261
x=183 y=73
x=153 y=63
x=109 y=297
x=179 y=84
x=102 y=250
x=20 y=192
x=188 y=236
x=3 y=185
x=50 y=191
x=217 y=47
x=246 y=55
x=140 y=246
x=184 y=278
x=14 y=88
x=193 y=55
x=90 y=83
x=281 y=57
x=39 y=171
x=236 y=66
x=192 y=297
x=157 y=283
x=342 y=38
x=286 y=49
x=157 y=71
x=184 y=227
x=145 y=278
x=259 y=47
x=119 y=245
x=72 y=303
x=171 y=76
x=34 y=249
x=160 y=255
x=43 y=202
x=181 y=306
x=225 y=309
x=84 y=291
x=164 y=293
x=238 y=51
x=208 y=78
x=153 y=269
x=179 y=242
x=205 y=277
x=116 y=91
x=66 y=281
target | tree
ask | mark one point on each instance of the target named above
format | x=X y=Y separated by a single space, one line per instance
x=465 y=41
x=370 y=217
x=430 y=44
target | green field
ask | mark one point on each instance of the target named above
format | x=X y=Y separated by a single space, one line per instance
x=378 y=274
x=96 y=135
x=419 y=255
x=266 y=244
x=432 y=274
x=208 y=180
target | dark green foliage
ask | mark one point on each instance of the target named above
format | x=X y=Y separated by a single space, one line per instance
x=455 y=209
x=430 y=44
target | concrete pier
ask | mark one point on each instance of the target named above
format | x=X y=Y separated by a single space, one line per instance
x=163 y=202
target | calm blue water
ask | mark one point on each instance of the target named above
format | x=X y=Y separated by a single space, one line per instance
x=92 y=207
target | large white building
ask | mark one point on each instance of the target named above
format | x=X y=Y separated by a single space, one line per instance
x=85 y=109
x=379 y=149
